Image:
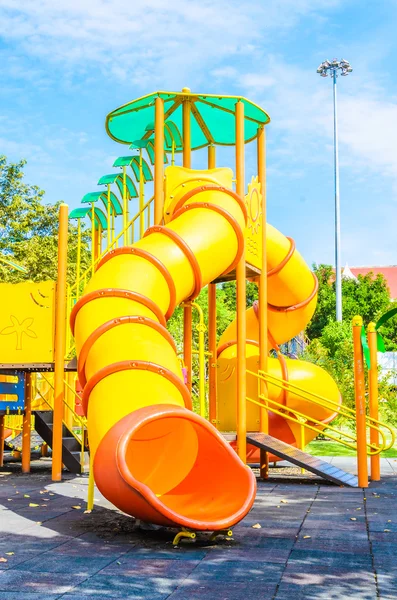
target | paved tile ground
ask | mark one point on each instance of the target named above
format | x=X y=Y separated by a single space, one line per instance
x=315 y=541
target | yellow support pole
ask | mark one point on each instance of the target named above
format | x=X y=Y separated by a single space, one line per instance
x=60 y=337
x=78 y=260
x=141 y=197
x=158 y=161
x=186 y=132
x=212 y=371
x=201 y=328
x=91 y=485
x=263 y=327
x=373 y=397
x=173 y=153
x=108 y=217
x=241 y=300
x=125 y=207
x=359 y=389
x=2 y=433
x=211 y=156
x=27 y=424
x=92 y=237
x=187 y=310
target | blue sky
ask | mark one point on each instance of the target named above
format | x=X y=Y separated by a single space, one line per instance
x=65 y=64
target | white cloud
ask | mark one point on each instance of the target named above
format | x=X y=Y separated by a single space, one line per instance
x=147 y=40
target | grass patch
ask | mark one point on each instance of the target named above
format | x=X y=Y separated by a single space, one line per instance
x=330 y=448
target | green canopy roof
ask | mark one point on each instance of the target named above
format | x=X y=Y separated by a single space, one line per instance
x=117 y=178
x=212 y=118
x=95 y=196
x=79 y=213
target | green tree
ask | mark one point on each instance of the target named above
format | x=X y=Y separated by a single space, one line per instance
x=367 y=296
x=333 y=351
x=29 y=229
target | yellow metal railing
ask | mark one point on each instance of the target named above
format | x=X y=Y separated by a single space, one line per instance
x=308 y=422
x=81 y=421
x=114 y=243
x=74 y=291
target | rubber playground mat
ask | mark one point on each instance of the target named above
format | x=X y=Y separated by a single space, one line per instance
x=303 y=540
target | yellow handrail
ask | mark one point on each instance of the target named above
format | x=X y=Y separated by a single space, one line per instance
x=314 y=424
x=81 y=420
x=346 y=412
x=114 y=243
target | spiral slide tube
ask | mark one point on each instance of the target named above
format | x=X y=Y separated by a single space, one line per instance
x=292 y=294
x=153 y=457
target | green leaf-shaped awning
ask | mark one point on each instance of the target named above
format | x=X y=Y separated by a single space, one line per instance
x=80 y=213
x=117 y=178
x=96 y=196
x=212 y=118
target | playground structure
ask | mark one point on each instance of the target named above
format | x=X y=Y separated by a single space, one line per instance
x=151 y=455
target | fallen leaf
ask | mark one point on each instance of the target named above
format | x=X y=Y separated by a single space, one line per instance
x=118 y=562
x=353 y=519
x=9 y=499
x=52 y=494
x=257 y=526
x=87 y=512
x=359 y=508
x=33 y=505
x=43 y=504
x=10 y=553
x=307 y=537
x=3 y=559
x=389 y=521
x=46 y=499
x=77 y=507
x=284 y=501
x=26 y=496
x=17 y=492
x=386 y=530
x=39 y=523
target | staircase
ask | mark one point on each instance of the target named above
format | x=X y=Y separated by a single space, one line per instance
x=71 y=449
x=302 y=459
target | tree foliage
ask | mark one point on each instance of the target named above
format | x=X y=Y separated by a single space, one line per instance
x=29 y=229
x=367 y=296
x=333 y=351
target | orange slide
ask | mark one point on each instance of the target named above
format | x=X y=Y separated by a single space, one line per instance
x=292 y=295
x=153 y=457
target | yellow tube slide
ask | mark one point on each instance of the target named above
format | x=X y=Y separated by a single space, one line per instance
x=153 y=457
x=292 y=297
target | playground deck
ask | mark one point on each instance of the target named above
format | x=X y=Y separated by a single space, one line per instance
x=316 y=541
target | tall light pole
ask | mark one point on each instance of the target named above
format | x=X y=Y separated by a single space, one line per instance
x=334 y=67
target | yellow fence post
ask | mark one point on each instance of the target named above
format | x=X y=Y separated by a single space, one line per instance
x=60 y=339
x=359 y=389
x=373 y=397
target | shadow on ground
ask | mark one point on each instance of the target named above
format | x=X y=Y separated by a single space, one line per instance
x=300 y=540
